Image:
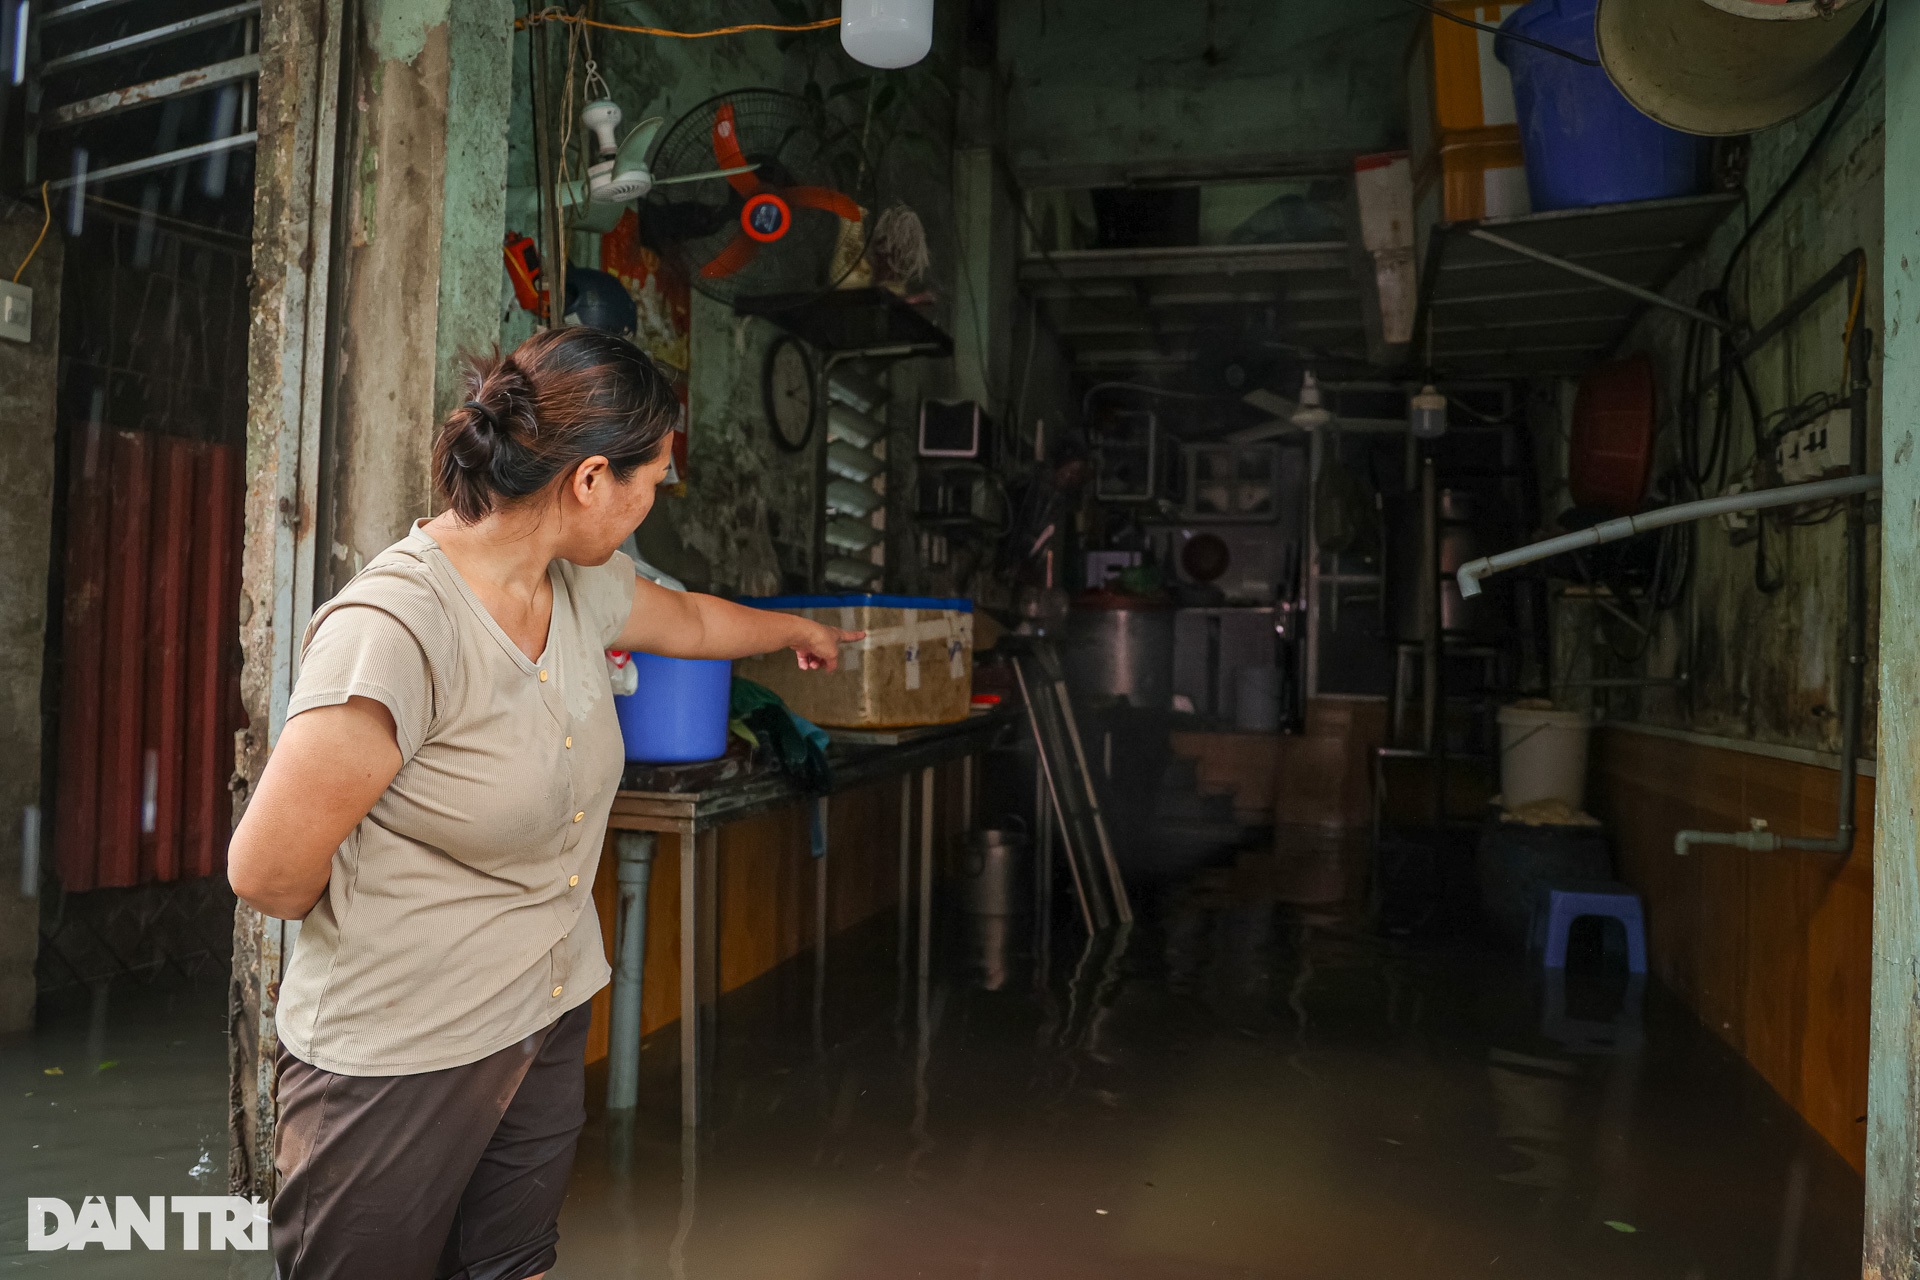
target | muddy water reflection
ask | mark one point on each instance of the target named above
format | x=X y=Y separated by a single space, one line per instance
x=120 y=1091
x=1242 y=1085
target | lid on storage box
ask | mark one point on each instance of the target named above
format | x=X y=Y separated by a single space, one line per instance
x=958 y=604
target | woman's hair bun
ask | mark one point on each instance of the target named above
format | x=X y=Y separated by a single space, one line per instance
x=561 y=397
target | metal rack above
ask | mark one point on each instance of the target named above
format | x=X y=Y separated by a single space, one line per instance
x=1554 y=293
x=1159 y=308
x=852 y=322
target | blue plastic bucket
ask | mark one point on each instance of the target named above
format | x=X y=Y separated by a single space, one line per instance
x=678 y=713
x=1585 y=144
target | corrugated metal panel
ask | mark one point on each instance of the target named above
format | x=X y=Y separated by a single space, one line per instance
x=164 y=739
x=123 y=666
x=212 y=661
x=151 y=660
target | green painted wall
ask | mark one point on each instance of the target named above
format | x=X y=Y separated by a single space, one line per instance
x=1100 y=90
x=415 y=277
x=1893 y=1092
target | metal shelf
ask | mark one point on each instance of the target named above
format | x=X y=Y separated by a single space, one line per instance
x=1163 y=307
x=852 y=322
x=1554 y=293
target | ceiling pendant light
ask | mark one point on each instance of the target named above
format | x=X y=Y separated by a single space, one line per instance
x=886 y=33
x=1427 y=413
x=1311 y=414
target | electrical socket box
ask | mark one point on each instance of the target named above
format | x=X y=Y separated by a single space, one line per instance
x=16 y=312
x=1823 y=445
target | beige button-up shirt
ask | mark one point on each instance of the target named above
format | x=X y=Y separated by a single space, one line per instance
x=459 y=916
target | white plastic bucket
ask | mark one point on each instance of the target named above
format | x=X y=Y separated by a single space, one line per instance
x=1543 y=755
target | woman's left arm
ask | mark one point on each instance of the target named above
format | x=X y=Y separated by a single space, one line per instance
x=684 y=624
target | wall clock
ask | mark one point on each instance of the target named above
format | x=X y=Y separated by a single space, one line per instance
x=790 y=393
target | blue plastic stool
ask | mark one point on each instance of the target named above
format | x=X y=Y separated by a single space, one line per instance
x=1562 y=902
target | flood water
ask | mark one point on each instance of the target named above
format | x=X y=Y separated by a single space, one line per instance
x=121 y=1091
x=1238 y=1086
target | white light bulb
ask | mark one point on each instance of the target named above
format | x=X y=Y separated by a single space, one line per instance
x=886 y=33
x=602 y=118
x=1427 y=413
x=1311 y=414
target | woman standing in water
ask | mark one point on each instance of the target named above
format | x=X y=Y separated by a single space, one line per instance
x=434 y=811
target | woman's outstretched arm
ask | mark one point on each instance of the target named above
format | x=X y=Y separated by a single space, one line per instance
x=684 y=624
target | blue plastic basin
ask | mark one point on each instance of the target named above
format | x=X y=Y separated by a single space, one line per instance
x=1585 y=144
x=678 y=713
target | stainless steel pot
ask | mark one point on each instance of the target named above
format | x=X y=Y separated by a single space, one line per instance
x=995 y=874
x=1120 y=653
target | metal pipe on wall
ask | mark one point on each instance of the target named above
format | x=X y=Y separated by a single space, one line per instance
x=1790 y=495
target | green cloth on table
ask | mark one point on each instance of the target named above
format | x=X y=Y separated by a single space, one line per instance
x=798 y=747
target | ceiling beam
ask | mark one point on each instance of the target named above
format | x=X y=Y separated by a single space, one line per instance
x=1189 y=260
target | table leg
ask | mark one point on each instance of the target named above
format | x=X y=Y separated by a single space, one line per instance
x=905 y=922
x=635 y=851
x=820 y=914
x=923 y=1017
x=691 y=1059
x=1042 y=877
x=926 y=881
x=966 y=796
x=709 y=842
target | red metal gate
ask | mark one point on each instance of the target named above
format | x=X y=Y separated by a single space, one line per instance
x=150 y=670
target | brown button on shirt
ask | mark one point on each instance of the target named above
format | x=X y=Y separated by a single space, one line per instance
x=459 y=916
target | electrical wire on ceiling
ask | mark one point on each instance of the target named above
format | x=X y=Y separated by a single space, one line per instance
x=1568 y=54
x=574 y=19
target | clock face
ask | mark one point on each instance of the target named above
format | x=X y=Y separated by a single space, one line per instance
x=788 y=388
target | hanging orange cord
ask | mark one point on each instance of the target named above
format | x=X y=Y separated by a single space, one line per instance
x=1853 y=319
x=555 y=15
x=46 y=220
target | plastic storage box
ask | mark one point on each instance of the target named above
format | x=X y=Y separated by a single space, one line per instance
x=915 y=666
x=1463 y=133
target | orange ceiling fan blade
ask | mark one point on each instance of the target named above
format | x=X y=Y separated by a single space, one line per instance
x=730 y=259
x=823 y=198
x=726 y=149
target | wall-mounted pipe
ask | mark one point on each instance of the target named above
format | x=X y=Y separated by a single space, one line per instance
x=1791 y=495
x=1759 y=839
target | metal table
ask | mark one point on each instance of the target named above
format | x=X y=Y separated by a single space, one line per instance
x=660 y=800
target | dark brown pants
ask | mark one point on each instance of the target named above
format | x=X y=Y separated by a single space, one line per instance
x=446 y=1175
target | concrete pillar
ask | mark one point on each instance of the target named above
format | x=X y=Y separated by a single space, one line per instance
x=29 y=381
x=379 y=208
x=986 y=226
x=1892 y=1249
x=420 y=266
